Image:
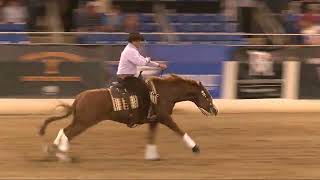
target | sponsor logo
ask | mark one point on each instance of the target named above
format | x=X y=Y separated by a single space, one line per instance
x=52 y=61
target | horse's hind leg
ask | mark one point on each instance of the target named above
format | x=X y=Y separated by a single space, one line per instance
x=151 y=152
x=65 y=136
x=168 y=121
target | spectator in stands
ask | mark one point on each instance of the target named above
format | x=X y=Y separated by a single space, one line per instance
x=14 y=12
x=36 y=10
x=115 y=19
x=90 y=19
x=312 y=15
x=2 y=2
x=291 y=19
x=131 y=23
x=309 y=29
x=310 y=25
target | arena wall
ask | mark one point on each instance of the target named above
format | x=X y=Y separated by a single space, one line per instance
x=49 y=106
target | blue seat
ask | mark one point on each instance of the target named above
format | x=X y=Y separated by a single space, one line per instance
x=152 y=37
x=197 y=18
x=146 y=18
x=231 y=27
x=220 y=18
x=149 y=27
x=13 y=27
x=203 y=18
x=193 y=37
x=13 y=38
x=183 y=27
x=210 y=27
x=179 y=18
x=172 y=18
x=101 y=38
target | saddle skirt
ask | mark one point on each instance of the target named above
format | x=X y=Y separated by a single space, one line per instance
x=122 y=100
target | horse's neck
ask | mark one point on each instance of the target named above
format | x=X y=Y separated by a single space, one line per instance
x=181 y=93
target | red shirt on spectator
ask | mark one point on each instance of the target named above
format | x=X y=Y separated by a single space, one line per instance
x=311 y=17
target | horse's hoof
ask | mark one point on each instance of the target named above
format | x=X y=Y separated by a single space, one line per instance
x=153 y=159
x=196 y=149
x=63 y=157
x=50 y=149
x=151 y=153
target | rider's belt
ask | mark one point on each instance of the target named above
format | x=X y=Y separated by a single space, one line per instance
x=122 y=76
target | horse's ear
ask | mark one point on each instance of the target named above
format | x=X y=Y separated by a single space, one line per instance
x=199 y=82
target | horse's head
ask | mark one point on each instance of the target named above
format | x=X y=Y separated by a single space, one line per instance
x=189 y=90
x=203 y=100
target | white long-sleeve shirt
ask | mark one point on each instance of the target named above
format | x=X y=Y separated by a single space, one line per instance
x=130 y=59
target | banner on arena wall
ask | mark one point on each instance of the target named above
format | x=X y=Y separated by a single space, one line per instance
x=309 y=87
x=50 y=78
x=198 y=62
x=259 y=77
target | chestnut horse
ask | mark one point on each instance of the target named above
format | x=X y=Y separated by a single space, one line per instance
x=93 y=106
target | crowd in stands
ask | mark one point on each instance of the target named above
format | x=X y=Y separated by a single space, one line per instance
x=21 y=12
x=92 y=16
x=304 y=18
x=301 y=16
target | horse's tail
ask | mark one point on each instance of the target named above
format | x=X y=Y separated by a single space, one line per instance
x=69 y=111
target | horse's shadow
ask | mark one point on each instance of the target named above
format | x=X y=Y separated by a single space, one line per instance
x=54 y=159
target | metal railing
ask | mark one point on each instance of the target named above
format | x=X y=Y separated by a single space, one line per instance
x=169 y=34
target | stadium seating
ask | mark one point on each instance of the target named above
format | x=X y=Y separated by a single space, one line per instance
x=189 y=23
x=207 y=23
x=147 y=24
x=13 y=38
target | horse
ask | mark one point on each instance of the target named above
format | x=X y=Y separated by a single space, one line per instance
x=93 y=106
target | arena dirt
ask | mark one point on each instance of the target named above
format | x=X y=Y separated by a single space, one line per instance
x=240 y=146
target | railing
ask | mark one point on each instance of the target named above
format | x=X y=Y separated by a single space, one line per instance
x=163 y=33
x=171 y=34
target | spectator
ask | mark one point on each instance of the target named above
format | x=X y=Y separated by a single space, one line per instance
x=131 y=23
x=2 y=2
x=310 y=25
x=89 y=19
x=115 y=19
x=36 y=10
x=14 y=12
x=311 y=16
x=291 y=20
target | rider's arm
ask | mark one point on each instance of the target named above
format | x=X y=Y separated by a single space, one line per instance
x=139 y=60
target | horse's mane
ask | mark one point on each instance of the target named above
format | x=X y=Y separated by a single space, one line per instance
x=175 y=79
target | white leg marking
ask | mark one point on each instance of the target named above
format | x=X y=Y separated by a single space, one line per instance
x=151 y=152
x=189 y=142
x=57 y=140
x=62 y=141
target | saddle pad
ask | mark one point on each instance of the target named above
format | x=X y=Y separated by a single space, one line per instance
x=120 y=101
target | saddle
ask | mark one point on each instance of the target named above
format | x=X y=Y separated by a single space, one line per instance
x=126 y=101
x=123 y=101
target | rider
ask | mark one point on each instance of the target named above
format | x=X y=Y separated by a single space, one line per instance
x=131 y=58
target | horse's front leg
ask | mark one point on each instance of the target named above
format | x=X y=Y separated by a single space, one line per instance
x=151 y=152
x=168 y=121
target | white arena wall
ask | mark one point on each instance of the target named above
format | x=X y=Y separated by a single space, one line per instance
x=49 y=106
